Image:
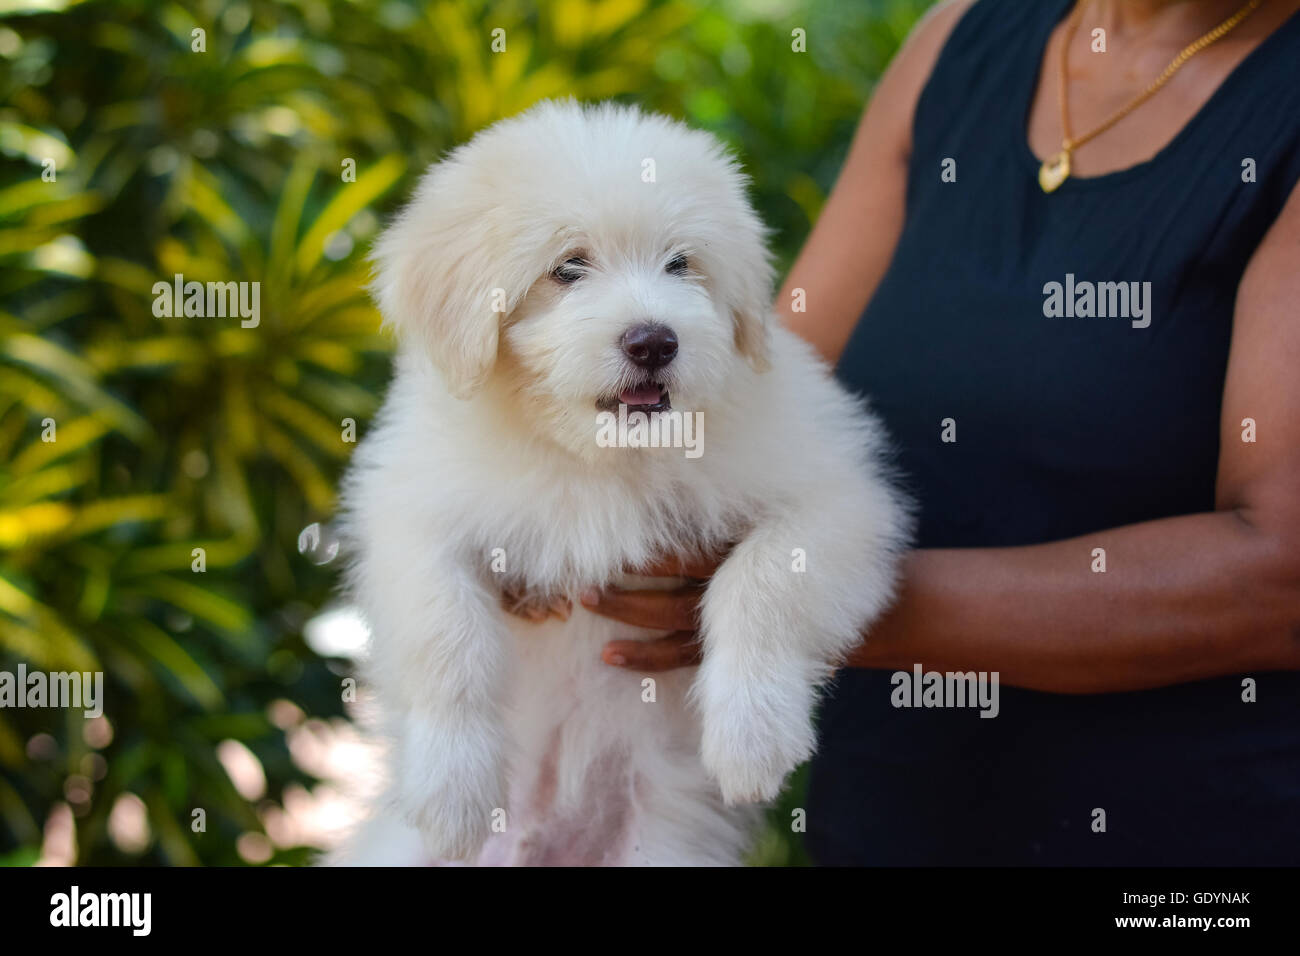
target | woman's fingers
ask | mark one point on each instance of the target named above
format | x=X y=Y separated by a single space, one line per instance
x=658 y=610
x=681 y=649
x=675 y=611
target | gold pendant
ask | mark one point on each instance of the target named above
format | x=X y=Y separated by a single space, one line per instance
x=1054 y=171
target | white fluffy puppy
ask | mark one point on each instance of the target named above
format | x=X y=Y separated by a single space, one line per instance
x=565 y=262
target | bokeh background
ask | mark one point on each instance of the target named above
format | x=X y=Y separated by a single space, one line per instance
x=224 y=688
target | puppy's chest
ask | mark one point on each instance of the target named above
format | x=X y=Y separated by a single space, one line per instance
x=562 y=543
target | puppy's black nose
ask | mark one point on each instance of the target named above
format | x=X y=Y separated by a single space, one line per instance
x=650 y=346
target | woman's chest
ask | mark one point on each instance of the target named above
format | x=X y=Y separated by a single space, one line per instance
x=1045 y=402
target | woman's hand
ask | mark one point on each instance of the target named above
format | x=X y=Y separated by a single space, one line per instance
x=676 y=611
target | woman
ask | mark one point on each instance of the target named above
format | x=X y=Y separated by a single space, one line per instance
x=1109 y=506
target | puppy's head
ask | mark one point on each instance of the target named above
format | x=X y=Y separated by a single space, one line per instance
x=573 y=259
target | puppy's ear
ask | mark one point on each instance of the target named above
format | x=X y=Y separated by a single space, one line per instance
x=738 y=259
x=753 y=321
x=447 y=273
x=746 y=288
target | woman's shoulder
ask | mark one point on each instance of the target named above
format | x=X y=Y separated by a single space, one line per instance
x=965 y=20
x=894 y=101
x=918 y=54
x=967 y=29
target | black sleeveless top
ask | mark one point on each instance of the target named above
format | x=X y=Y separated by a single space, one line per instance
x=1065 y=425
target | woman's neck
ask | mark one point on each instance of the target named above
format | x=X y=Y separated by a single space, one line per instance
x=1152 y=19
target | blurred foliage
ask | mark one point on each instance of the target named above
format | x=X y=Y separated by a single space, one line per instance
x=177 y=434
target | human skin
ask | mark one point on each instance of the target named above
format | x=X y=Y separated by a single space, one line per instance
x=1200 y=595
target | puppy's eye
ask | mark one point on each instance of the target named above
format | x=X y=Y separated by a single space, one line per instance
x=678 y=266
x=570 y=271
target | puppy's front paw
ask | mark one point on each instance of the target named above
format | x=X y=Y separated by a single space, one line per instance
x=453 y=822
x=535 y=607
x=450 y=796
x=755 y=733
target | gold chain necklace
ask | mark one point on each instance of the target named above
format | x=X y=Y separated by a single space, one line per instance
x=1056 y=169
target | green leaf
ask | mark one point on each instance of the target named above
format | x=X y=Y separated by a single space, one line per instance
x=78 y=378
x=349 y=199
x=163 y=649
x=221 y=612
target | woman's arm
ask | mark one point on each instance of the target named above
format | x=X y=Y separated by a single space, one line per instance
x=1182 y=598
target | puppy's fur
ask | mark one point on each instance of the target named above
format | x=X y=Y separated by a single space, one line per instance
x=512 y=742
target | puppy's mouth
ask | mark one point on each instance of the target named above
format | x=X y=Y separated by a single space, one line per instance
x=646 y=397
